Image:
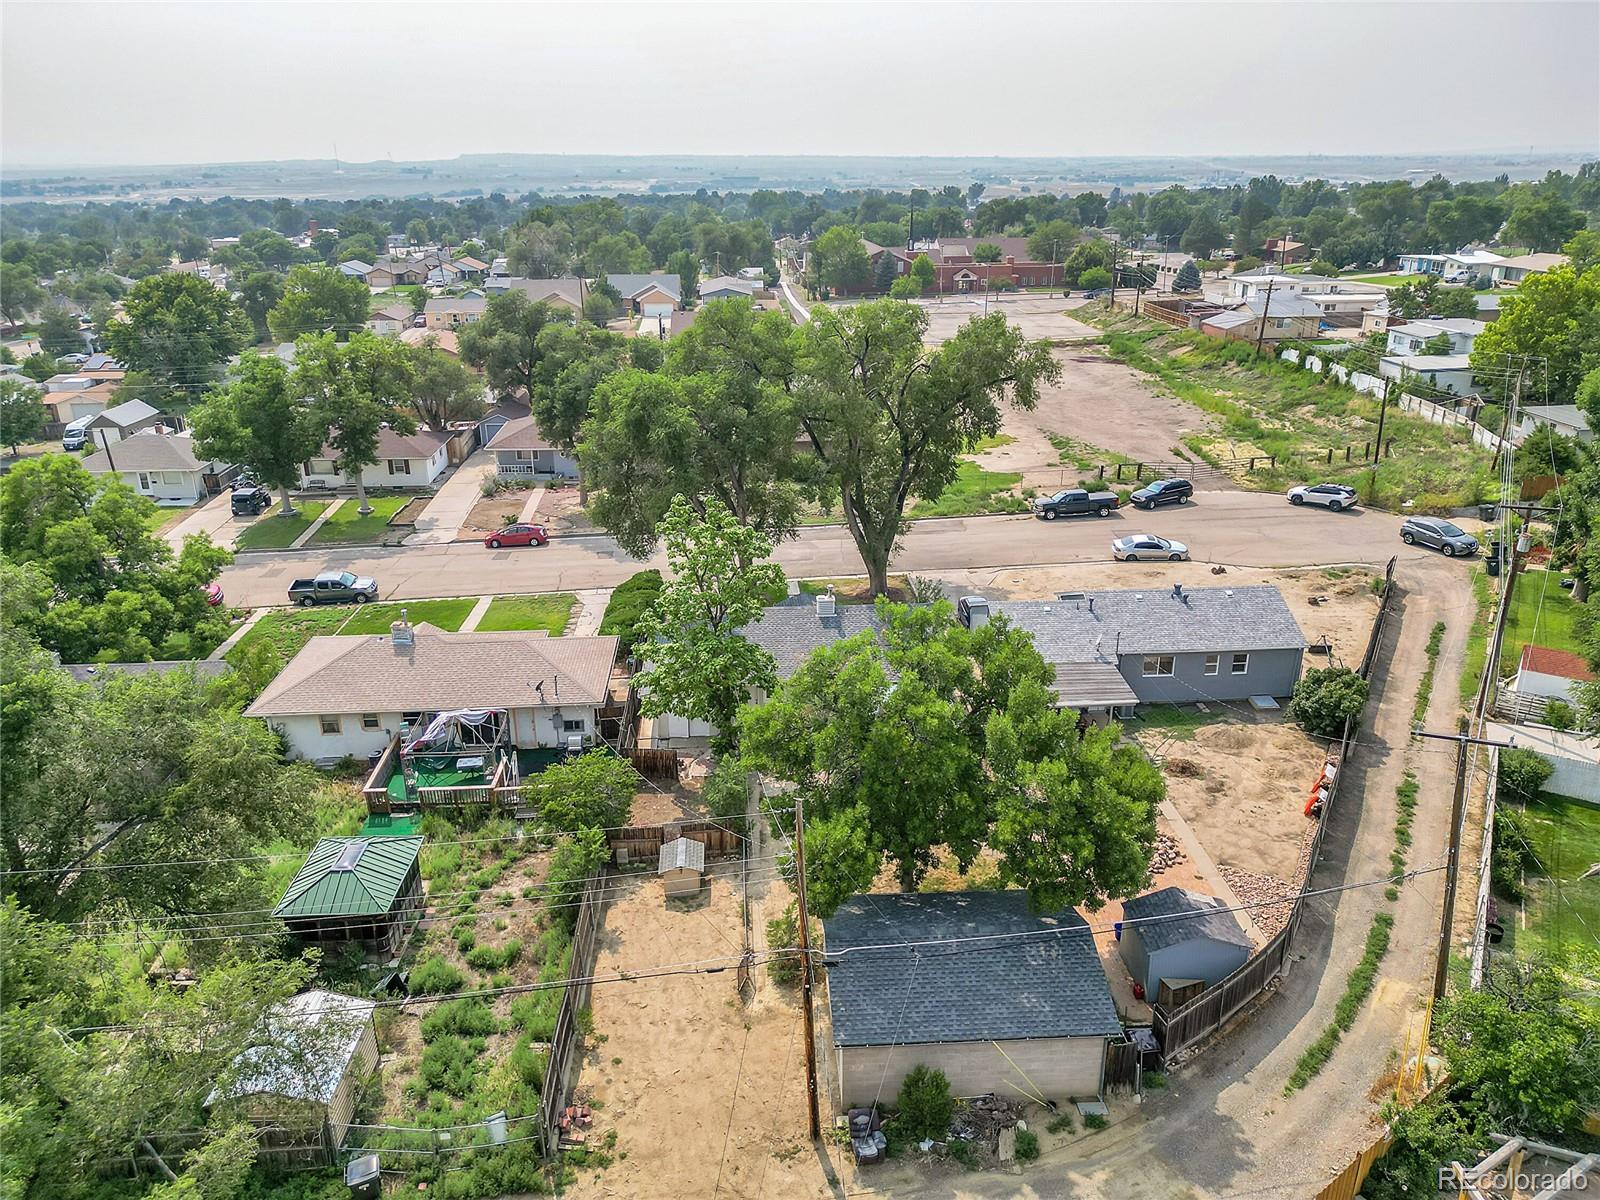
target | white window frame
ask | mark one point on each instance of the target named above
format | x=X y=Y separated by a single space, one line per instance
x=568 y=725
x=1213 y=664
x=325 y=720
x=1240 y=664
x=144 y=481
x=1158 y=660
x=404 y=466
x=371 y=721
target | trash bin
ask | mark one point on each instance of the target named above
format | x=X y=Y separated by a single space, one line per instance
x=362 y=1177
x=1491 y=558
x=1486 y=512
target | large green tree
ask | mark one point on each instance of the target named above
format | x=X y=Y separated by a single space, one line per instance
x=839 y=261
x=259 y=295
x=925 y=736
x=319 y=300
x=259 y=421
x=179 y=329
x=697 y=665
x=505 y=341
x=20 y=293
x=356 y=388
x=1542 y=222
x=22 y=413
x=889 y=417
x=59 y=332
x=1554 y=319
x=442 y=390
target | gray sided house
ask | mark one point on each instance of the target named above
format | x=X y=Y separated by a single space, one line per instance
x=522 y=451
x=1026 y=1013
x=1159 y=645
x=1175 y=934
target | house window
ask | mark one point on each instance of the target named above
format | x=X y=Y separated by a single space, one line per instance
x=1213 y=663
x=144 y=482
x=369 y=720
x=1156 y=665
x=1241 y=664
x=399 y=466
x=571 y=726
x=330 y=725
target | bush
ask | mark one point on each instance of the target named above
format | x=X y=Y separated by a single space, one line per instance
x=593 y=791
x=726 y=792
x=1093 y=1121
x=492 y=958
x=1187 y=279
x=1523 y=773
x=1061 y=1122
x=1002 y=284
x=529 y=1061
x=1558 y=714
x=450 y=1064
x=1512 y=855
x=435 y=977
x=1327 y=697
x=1027 y=1145
x=1094 y=277
x=924 y=1106
x=783 y=933
x=628 y=603
x=466 y=1017
x=572 y=861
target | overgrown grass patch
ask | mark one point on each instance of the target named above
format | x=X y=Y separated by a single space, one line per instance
x=1563 y=908
x=1477 y=651
x=1178 y=722
x=1356 y=989
x=288 y=632
x=376 y=618
x=1419 y=709
x=974 y=491
x=547 y=612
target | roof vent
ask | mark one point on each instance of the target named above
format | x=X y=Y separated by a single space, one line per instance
x=350 y=855
x=827 y=604
x=401 y=632
x=1069 y=595
x=1227 y=591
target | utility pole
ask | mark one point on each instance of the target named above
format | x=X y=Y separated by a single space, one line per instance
x=1265 y=308
x=105 y=444
x=1383 y=411
x=1113 y=275
x=805 y=964
x=1458 y=806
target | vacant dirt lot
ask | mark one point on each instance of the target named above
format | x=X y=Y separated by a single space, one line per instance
x=705 y=1090
x=1037 y=316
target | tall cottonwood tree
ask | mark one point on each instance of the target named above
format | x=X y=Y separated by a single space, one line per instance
x=259 y=422
x=356 y=389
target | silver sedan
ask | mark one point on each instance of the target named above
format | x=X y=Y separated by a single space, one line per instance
x=1147 y=546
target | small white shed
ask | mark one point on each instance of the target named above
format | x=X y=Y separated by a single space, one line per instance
x=683 y=866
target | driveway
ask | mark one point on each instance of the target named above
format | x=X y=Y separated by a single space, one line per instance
x=214 y=518
x=442 y=519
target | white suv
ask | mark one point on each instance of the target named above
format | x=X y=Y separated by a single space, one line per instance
x=1332 y=496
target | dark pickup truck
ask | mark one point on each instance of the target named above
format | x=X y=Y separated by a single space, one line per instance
x=1075 y=502
x=333 y=587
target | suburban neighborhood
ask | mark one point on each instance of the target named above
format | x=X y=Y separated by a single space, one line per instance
x=814 y=674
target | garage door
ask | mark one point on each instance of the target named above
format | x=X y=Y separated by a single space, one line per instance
x=1056 y=1068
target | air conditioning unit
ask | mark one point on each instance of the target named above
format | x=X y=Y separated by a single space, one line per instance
x=574 y=743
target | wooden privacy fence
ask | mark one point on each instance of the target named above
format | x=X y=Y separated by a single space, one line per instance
x=566 y=1043
x=1122 y=1066
x=642 y=843
x=655 y=764
x=1207 y=1012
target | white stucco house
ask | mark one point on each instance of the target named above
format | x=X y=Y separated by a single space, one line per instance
x=390 y=321
x=1413 y=336
x=1463 y=264
x=404 y=461
x=162 y=466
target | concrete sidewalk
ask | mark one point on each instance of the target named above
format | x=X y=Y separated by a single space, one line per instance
x=442 y=519
x=214 y=517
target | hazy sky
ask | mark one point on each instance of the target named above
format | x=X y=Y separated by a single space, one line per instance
x=209 y=82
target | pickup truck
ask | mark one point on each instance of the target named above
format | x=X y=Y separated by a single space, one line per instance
x=1075 y=502
x=333 y=587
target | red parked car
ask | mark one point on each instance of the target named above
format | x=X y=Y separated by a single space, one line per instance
x=213 y=593
x=517 y=535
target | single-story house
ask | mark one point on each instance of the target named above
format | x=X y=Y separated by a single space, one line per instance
x=468 y=267
x=356 y=269
x=682 y=866
x=395 y=272
x=1026 y=1014
x=564 y=292
x=350 y=696
x=1284 y=251
x=1518 y=267
x=204 y=670
x=654 y=295
x=452 y=312
x=123 y=421
x=391 y=320
x=75 y=396
x=163 y=466
x=1274 y=318
x=1443 y=372
x=1464 y=264
x=520 y=450
x=1114 y=649
x=1254 y=284
x=1175 y=934
x=405 y=460
x=356 y=889
x=1551 y=674
x=754 y=275
x=1411 y=337
x=443 y=340
x=499 y=414
x=723 y=287
x=1566 y=419
x=307 y=1069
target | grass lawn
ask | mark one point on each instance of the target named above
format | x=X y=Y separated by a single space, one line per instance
x=1176 y=721
x=549 y=613
x=347 y=525
x=376 y=618
x=1392 y=280
x=165 y=518
x=1554 y=625
x=854 y=590
x=993 y=442
x=1562 y=911
x=974 y=491
x=273 y=531
x=289 y=631
x=1477 y=650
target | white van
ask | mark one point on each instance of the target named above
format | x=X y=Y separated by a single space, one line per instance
x=76 y=435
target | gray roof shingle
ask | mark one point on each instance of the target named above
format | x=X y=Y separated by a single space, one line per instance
x=792 y=630
x=630 y=286
x=1049 y=984
x=1206 y=923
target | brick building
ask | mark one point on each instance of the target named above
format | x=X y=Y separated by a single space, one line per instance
x=956 y=270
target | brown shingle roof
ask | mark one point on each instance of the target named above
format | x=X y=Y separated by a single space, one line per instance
x=424 y=444
x=1544 y=660
x=442 y=671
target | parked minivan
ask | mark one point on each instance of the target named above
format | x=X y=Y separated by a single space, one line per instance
x=76 y=435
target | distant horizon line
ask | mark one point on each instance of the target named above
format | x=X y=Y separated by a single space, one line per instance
x=1191 y=156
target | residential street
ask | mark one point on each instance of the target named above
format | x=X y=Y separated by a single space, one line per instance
x=1242 y=528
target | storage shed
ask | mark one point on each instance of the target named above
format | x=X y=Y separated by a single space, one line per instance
x=303 y=1078
x=1176 y=934
x=683 y=866
x=356 y=889
x=1026 y=1012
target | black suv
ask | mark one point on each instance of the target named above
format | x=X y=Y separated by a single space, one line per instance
x=1163 y=491
x=251 y=501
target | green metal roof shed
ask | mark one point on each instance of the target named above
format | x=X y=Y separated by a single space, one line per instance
x=351 y=877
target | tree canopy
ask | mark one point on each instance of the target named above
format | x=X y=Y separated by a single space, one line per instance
x=319 y=299
x=258 y=421
x=179 y=329
x=505 y=341
x=356 y=389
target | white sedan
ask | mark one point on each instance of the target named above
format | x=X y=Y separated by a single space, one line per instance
x=1147 y=546
x=1332 y=496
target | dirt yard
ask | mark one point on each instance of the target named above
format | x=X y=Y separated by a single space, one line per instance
x=491 y=513
x=560 y=512
x=706 y=1091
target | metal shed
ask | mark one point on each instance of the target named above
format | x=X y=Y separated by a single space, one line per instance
x=1177 y=934
x=360 y=889
x=682 y=867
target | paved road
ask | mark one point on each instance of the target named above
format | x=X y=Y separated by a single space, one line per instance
x=1238 y=528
